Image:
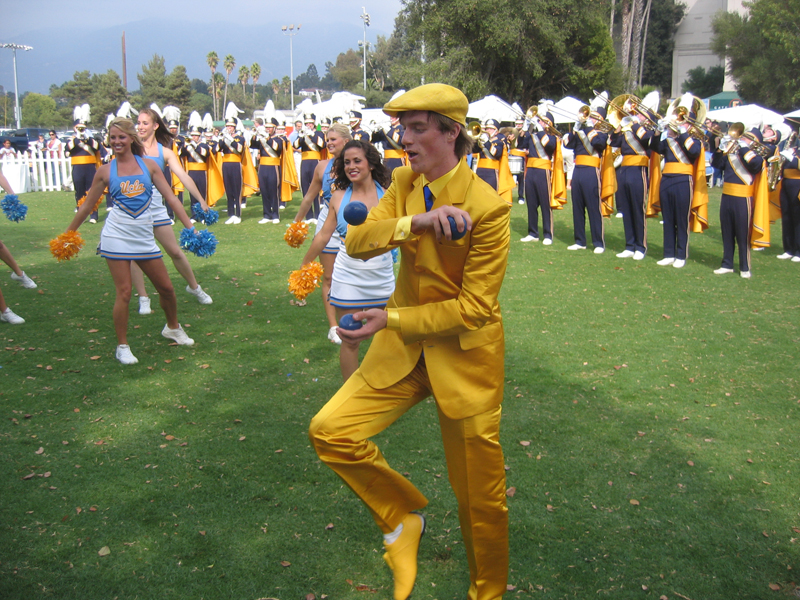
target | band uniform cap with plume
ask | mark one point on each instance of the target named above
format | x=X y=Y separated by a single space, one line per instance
x=436 y=97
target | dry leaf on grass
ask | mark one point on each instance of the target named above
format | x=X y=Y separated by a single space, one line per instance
x=40 y=450
x=511 y=491
x=285 y=563
x=104 y=551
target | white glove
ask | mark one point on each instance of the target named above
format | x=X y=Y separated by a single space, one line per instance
x=788 y=154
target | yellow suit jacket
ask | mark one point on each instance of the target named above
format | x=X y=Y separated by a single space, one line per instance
x=445 y=295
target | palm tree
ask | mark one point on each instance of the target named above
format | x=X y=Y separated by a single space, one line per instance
x=244 y=77
x=286 y=84
x=213 y=61
x=229 y=63
x=255 y=73
x=219 y=83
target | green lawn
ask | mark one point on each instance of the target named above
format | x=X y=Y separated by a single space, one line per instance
x=650 y=430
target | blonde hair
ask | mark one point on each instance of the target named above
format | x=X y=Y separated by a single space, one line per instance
x=342 y=129
x=127 y=127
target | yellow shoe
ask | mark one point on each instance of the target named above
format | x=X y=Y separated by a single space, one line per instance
x=401 y=555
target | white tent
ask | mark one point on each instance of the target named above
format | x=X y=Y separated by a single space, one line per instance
x=492 y=107
x=794 y=115
x=752 y=115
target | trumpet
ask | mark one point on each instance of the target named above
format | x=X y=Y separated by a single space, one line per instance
x=585 y=113
x=532 y=114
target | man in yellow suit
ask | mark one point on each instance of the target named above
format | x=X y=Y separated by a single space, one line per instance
x=441 y=334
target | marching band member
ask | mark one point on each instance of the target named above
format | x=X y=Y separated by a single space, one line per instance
x=633 y=140
x=544 y=177
x=493 y=162
x=84 y=156
x=195 y=154
x=275 y=159
x=744 y=193
x=682 y=196
x=311 y=144
x=588 y=144
x=172 y=115
x=521 y=138
x=790 y=201
x=233 y=150
x=392 y=141
x=355 y=127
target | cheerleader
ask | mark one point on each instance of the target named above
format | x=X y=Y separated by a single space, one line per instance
x=127 y=234
x=359 y=176
x=337 y=136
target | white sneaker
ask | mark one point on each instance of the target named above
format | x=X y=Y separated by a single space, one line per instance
x=276 y=221
x=547 y=242
x=521 y=201
x=244 y=205
x=745 y=274
x=231 y=220
x=722 y=271
x=665 y=261
x=23 y=280
x=638 y=255
x=265 y=220
x=679 y=264
x=599 y=250
x=625 y=254
x=576 y=247
x=282 y=208
x=200 y=294
x=237 y=221
x=783 y=256
x=529 y=238
x=125 y=356
x=144 y=305
x=10 y=317
x=333 y=336
x=796 y=259
x=177 y=335
x=619 y=215
x=92 y=220
x=108 y=208
x=758 y=249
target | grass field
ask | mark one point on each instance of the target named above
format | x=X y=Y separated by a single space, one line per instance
x=650 y=430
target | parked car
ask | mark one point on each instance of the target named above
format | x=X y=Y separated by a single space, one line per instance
x=22 y=138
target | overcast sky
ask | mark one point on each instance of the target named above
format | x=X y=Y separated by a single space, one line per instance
x=61 y=31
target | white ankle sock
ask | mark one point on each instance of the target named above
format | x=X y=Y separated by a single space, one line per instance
x=390 y=538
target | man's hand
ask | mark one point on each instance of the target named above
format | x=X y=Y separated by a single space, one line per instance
x=436 y=220
x=376 y=320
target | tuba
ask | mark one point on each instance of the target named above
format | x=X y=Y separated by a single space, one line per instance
x=678 y=115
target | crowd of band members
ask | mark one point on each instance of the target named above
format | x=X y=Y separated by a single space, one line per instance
x=677 y=191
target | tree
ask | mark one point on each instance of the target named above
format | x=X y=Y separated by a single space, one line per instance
x=255 y=72
x=665 y=15
x=153 y=82
x=348 y=71
x=178 y=88
x=244 y=77
x=520 y=49
x=213 y=60
x=40 y=111
x=380 y=61
x=108 y=95
x=229 y=63
x=307 y=80
x=329 y=82
x=72 y=93
x=763 y=52
x=704 y=83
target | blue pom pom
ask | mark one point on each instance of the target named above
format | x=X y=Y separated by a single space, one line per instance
x=13 y=208
x=348 y=322
x=202 y=245
x=209 y=217
x=395 y=254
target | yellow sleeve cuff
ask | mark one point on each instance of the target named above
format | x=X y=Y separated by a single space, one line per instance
x=402 y=230
x=393 y=319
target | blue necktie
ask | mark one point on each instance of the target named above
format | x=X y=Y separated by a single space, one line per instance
x=428 y=198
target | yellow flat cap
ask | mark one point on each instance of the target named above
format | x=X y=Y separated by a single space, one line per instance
x=437 y=97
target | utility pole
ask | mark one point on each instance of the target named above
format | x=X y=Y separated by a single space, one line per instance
x=17 y=108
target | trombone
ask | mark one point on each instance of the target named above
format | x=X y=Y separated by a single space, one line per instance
x=533 y=113
x=736 y=133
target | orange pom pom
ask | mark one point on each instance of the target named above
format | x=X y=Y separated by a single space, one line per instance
x=303 y=281
x=96 y=206
x=66 y=245
x=296 y=234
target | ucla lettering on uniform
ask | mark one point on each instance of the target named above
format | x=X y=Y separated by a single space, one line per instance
x=131 y=189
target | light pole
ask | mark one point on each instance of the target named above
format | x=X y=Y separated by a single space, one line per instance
x=291 y=33
x=365 y=18
x=17 y=110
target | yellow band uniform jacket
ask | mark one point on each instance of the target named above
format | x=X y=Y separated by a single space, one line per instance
x=445 y=295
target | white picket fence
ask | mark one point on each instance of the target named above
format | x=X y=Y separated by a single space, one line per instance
x=37 y=172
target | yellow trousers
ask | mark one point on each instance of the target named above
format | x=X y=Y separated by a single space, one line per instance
x=340 y=434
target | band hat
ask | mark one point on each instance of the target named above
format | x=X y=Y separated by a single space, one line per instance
x=436 y=97
x=325 y=121
x=494 y=123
